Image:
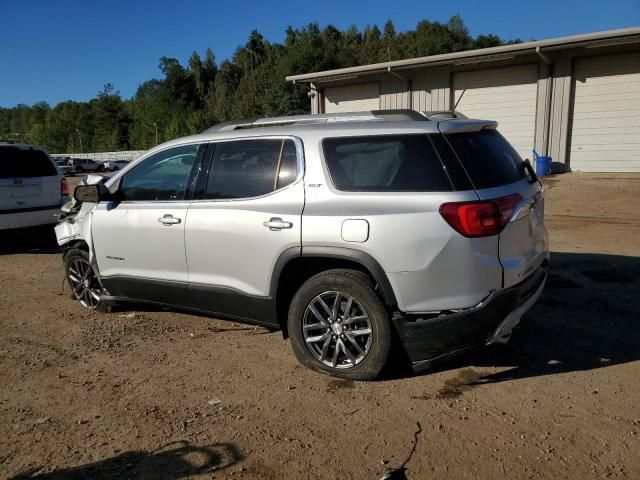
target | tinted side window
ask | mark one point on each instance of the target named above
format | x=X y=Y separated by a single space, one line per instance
x=288 y=168
x=488 y=158
x=452 y=165
x=22 y=163
x=250 y=168
x=163 y=176
x=393 y=163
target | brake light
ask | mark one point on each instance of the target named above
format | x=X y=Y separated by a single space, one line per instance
x=480 y=218
x=64 y=187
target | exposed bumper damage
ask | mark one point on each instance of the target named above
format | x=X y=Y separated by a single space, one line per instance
x=428 y=339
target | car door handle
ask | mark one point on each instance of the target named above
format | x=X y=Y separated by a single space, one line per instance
x=276 y=223
x=169 y=219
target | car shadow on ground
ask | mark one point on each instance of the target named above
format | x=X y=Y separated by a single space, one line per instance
x=588 y=317
x=29 y=240
x=173 y=461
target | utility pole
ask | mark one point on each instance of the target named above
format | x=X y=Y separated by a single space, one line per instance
x=80 y=139
x=156 y=125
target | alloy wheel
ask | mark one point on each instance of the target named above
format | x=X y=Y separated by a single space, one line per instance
x=337 y=329
x=84 y=283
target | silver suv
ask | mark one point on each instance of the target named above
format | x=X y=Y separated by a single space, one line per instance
x=348 y=232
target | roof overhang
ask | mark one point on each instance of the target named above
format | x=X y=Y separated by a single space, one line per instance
x=504 y=52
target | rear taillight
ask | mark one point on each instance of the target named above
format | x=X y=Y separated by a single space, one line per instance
x=64 y=187
x=480 y=218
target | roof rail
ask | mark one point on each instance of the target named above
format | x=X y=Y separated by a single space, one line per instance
x=366 y=116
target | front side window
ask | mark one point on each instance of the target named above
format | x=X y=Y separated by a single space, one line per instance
x=385 y=163
x=163 y=176
x=251 y=168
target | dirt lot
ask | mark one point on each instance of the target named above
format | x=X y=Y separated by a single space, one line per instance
x=125 y=395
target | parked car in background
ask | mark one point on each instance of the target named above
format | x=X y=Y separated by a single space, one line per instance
x=85 y=165
x=63 y=166
x=32 y=188
x=344 y=230
x=115 y=165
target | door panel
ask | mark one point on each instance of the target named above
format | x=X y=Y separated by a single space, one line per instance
x=130 y=240
x=139 y=240
x=229 y=246
x=249 y=213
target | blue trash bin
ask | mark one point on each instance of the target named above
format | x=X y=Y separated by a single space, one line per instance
x=543 y=164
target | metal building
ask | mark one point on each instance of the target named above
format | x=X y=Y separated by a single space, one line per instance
x=574 y=98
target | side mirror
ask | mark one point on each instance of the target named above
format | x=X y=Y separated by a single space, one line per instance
x=91 y=193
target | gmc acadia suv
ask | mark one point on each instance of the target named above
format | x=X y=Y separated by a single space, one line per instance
x=343 y=230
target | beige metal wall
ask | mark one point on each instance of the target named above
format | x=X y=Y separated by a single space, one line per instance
x=605 y=121
x=431 y=89
x=394 y=92
x=559 y=115
x=505 y=94
x=352 y=98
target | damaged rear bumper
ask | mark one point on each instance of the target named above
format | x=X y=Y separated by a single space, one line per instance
x=429 y=339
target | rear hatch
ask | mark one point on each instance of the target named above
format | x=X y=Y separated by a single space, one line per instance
x=28 y=179
x=499 y=173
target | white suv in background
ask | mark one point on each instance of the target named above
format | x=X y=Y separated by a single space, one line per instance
x=32 y=189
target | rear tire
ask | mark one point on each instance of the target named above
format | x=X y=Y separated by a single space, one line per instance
x=83 y=281
x=339 y=325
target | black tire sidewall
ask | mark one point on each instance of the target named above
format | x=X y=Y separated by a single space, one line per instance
x=69 y=256
x=356 y=285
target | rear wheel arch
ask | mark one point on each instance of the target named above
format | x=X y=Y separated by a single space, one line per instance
x=293 y=268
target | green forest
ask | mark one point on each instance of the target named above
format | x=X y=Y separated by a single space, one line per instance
x=189 y=98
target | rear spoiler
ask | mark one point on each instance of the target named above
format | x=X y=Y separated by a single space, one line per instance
x=466 y=125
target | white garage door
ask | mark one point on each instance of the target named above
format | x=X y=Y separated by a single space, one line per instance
x=352 y=98
x=606 y=114
x=507 y=95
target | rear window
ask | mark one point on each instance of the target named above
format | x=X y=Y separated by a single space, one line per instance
x=389 y=163
x=20 y=163
x=488 y=158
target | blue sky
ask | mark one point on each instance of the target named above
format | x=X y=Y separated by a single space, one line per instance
x=68 y=49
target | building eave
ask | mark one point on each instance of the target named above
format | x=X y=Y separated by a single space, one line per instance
x=589 y=40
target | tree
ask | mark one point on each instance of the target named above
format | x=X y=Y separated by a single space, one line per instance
x=486 y=41
x=111 y=120
x=196 y=69
x=186 y=99
x=173 y=130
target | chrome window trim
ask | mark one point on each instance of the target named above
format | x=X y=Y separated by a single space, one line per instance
x=300 y=165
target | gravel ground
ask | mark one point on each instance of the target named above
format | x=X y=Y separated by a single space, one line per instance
x=158 y=394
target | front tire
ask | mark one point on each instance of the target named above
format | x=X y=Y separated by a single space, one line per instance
x=339 y=325
x=83 y=281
